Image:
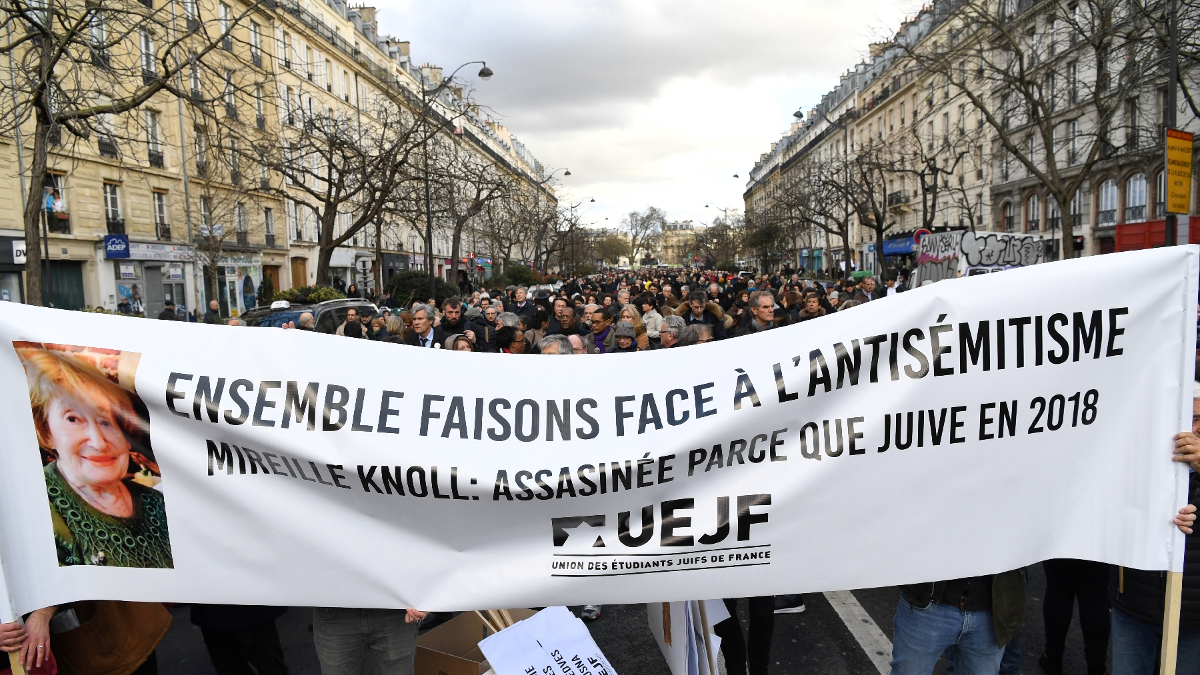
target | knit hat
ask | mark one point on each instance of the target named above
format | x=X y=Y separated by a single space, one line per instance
x=625 y=329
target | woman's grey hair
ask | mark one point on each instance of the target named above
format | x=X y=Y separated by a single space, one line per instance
x=509 y=319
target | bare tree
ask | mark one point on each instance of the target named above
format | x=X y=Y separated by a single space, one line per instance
x=643 y=228
x=79 y=69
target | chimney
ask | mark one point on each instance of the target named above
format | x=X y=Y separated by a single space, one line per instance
x=368 y=14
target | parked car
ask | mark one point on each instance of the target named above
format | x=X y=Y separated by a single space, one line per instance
x=329 y=314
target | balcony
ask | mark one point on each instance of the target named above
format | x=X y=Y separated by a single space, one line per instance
x=227 y=43
x=243 y=238
x=149 y=4
x=256 y=59
x=201 y=168
x=116 y=225
x=156 y=159
x=896 y=198
x=264 y=184
x=149 y=77
x=231 y=111
x=270 y=241
x=58 y=223
x=1077 y=219
x=235 y=177
x=260 y=122
x=107 y=147
x=1135 y=214
x=287 y=63
x=101 y=58
x=197 y=96
x=163 y=232
x=1106 y=217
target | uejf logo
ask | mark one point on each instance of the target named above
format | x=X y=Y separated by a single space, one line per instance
x=672 y=523
x=116 y=246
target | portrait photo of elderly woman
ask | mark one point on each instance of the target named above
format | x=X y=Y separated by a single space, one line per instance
x=101 y=479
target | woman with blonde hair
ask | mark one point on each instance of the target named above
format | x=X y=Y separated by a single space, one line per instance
x=632 y=315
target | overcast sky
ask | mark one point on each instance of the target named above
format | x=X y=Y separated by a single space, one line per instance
x=647 y=102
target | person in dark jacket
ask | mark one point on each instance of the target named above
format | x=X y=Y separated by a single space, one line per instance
x=868 y=292
x=812 y=308
x=213 y=315
x=520 y=305
x=761 y=314
x=1138 y=597
x=240 y=636
x=698 y=309
x=455 y=322
x=168 y=313
x=425 y=333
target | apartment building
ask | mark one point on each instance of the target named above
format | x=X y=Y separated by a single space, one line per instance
x=172 y=203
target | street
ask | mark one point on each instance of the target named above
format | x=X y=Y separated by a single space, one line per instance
x=817 y=641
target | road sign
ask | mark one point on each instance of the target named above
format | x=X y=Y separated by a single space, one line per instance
x=1179 y=171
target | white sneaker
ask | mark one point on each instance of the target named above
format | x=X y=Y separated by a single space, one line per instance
x=789 y=604
x=590 y=612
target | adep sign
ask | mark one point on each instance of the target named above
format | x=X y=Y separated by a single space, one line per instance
x=116 y=246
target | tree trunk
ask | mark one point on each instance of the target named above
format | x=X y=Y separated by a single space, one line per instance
x=325 y=253
x=378 y=259
x=456 y=250
x=35 y=293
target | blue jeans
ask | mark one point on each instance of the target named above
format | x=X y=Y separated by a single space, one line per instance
x=922 y=634
x=1009 y=665
x=344 y=638
x=1136 y=644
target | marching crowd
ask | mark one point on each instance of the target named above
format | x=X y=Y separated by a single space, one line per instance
x=974 y=622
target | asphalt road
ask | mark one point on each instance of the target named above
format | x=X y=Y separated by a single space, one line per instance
x=817 y=641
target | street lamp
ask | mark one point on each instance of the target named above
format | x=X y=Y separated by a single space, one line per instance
x=485 y=74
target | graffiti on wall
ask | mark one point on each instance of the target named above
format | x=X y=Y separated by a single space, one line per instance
x=948 y=255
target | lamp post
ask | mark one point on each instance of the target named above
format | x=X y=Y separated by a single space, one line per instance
x=427 y=95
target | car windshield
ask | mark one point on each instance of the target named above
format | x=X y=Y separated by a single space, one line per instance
x=274 y=320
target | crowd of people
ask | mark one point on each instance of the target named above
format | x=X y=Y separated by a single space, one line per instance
x=973 y=622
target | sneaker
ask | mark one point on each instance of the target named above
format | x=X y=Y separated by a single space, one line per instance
x=789 y=604
x=590 y=612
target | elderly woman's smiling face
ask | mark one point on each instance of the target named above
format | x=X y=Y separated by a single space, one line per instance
x=92 y=449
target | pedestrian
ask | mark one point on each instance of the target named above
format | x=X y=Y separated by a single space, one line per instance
x=1137 y=596
x=602 y=333
x=345 y=638
x=510 y=340
x=812 y=308
x=213 y=315
x=520 y=305
x=425 y=334
x=630 y=314
x=626 y=338
x=453 y=321
x=651 y=319
x=168 y=312
x=699 y=310
x=351 y=317
x=734 y=646
x=239 y=637
x=868 y=292
x=761 y=315
x=555 y=344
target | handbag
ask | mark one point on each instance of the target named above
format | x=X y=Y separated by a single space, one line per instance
x=113 y=637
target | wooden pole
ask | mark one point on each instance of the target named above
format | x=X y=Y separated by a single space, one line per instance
x=14 y=661
x=708 y=655
x=1170 y=633
x=486 y=624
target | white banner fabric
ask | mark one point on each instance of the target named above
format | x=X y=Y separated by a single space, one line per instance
x=968 y=427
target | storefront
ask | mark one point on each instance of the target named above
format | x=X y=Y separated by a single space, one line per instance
x=238 y=278
x=900 y=252
x=141 y=278
x=12 y=269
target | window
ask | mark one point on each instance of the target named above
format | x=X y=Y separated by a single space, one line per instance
x=1132 y=123
x=147 y=45
x=1073 y=142
x=946 y=129
x=1052 y=35
x=1160 y=195
x=902 y=113
x=201 y=151
x=154 y=139
x=1053 y=214
x=190 y=12
x=1052 y=91
x=1108 y=203
x=914 y=110
x=225 y=23
x=1009 y=222
x=243 y=222
x=194 y=78
x=258 y=107
x=269 y=221
x=293 y=223
x=1072 y=83
x=1005 y=164
x=1029 y=155
x=1033 y=214
x=112 y=203
x=255 y=43
x=891 y=120
x=161 y=228
x=234 y=173
x=287 y=50
x=206 y=228
x=1135 y=198
x=1077 y=209
x=98 y=31
x=230 y=96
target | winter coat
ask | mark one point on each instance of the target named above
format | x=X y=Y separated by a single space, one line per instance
x=652 y=320
x=713 y=315
x=1142 y=593
x=805 y=316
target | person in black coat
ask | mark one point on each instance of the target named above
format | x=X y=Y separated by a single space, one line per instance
x=425 y=334
x=168 y=313
x=240 y=636
x=1138 y=597
x=454 y=322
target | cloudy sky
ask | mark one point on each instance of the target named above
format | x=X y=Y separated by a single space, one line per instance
x=647 y=102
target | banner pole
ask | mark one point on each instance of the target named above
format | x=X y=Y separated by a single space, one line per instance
x=14 y=661
x=1170 y=633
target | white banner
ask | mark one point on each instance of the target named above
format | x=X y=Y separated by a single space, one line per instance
x=969 y=427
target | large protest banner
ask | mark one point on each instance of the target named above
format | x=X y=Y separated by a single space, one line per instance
x=968 y=427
